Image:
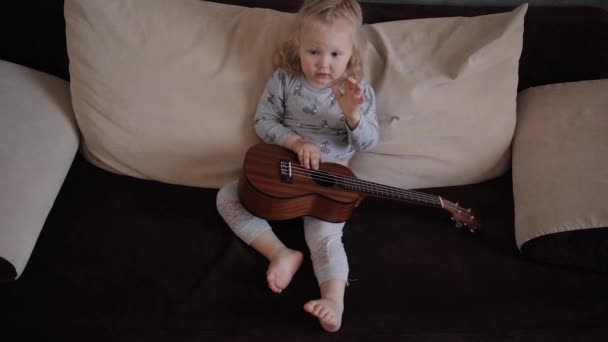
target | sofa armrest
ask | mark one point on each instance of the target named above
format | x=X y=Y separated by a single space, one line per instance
x=38 y=141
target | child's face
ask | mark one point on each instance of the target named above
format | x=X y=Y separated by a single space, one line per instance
x=324 y=51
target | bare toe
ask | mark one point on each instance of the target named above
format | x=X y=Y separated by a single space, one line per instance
x=328 y=312
x=272 y=282
x=282 y=268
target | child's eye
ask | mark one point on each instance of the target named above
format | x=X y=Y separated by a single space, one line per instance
x=313 y=52
x=335 y=54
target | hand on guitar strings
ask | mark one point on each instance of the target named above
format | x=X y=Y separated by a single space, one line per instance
x=308 y=153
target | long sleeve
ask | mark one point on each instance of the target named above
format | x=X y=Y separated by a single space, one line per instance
x=270 y=112
x=366 y=134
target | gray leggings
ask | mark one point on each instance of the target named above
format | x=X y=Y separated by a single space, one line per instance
x=324 y=239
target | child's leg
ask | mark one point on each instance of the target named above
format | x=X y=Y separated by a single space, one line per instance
x=330 y=265
x=256 y=232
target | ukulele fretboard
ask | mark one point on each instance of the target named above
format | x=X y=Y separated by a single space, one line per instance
x=289 y=171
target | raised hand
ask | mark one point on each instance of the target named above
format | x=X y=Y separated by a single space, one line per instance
x=350 y=101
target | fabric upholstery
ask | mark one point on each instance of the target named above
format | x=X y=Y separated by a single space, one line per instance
x=446 y=91
x=560 y=171
x=38 y=140
x=166 y=90
x=125 y=259
x=176 y=103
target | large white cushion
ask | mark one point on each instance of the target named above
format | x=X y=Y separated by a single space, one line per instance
x=446 y=91
x=38 y=141
x=166 y=90
x=560 y=169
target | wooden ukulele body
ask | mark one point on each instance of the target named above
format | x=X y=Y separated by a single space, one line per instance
x=267 y=193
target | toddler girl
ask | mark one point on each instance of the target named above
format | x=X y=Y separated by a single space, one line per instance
x=315 y=106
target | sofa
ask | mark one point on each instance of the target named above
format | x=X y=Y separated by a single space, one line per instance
x=96 y=250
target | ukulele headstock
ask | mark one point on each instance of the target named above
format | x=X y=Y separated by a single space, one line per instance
x=463 y=217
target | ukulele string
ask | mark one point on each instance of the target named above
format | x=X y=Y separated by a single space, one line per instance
x=347 y=180
x=347 y=183
x=390 y=194
x=351 y=181
x=378 y=188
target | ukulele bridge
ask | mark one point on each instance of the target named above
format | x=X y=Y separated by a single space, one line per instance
x=286 y=171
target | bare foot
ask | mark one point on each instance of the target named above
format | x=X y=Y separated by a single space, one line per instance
x=283 y=266
x=328 y=311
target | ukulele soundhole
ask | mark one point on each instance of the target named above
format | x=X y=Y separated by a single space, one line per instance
x=323 y=179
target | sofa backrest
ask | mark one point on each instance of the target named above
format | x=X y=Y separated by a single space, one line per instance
x=561 y=44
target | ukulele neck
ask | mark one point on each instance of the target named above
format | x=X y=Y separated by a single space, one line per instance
x=288 y=170
x=390 y=192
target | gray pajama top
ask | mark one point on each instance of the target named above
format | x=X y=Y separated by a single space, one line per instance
x=289 y=104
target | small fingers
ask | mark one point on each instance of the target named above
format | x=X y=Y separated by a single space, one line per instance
x=309 y=159
x=314 y=162
x=359 y=91
x=337 y=92
x=352 y=85
x=303 y=157
x=360 y=99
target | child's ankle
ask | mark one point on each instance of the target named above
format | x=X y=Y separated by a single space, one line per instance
x=333 y=290
x=278 y=250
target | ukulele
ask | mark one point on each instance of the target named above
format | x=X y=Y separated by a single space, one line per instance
x=274 y=186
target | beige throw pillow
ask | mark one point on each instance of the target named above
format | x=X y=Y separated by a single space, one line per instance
x=560 y=161
x=446 y=91
x=166 y=90
x=38 y=141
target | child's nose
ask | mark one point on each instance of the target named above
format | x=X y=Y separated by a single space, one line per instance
x=323 y=61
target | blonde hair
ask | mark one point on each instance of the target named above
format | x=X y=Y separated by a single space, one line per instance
x=325 y=11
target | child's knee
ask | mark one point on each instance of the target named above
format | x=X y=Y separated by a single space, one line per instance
x=230 y=208
x=318 y=232
x=324 y=240
x=228 y=193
